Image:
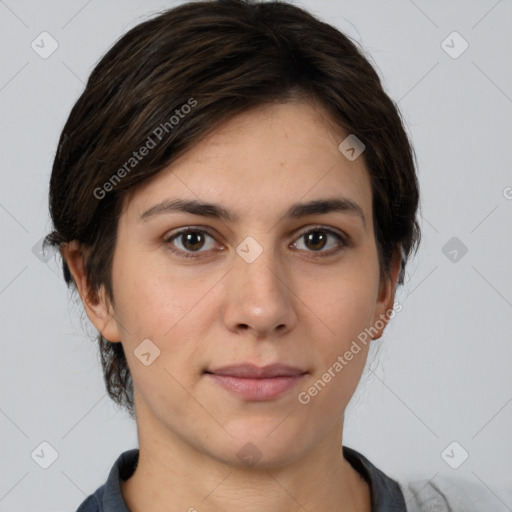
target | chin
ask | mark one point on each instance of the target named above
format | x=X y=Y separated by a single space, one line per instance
x=261 y=448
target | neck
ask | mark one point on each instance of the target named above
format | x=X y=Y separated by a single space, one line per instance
x=170 y=472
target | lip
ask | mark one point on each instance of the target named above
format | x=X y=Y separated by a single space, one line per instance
x=252 y=371
x=255 y=383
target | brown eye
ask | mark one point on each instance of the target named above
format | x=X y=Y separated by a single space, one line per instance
x=192 y=240
x=317 y=239
x=189 y=241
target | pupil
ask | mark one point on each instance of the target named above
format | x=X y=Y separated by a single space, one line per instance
x=190 y=238
x=315 y=237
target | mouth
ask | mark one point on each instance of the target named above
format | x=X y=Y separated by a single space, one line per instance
x=254 y=383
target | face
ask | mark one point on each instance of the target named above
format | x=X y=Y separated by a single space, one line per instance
x=269 y=283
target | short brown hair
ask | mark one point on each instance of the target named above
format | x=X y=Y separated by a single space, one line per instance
x=227 y=56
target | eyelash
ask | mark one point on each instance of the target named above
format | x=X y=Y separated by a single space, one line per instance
x=342 y=241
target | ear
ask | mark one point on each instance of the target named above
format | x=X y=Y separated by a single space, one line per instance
x=96 y=304
x=386 y=298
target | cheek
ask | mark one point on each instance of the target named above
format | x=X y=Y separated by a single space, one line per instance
x=151 y=299
x=345 y=306
x=172 y=310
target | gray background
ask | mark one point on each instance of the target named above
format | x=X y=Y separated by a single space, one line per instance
x=443 y=373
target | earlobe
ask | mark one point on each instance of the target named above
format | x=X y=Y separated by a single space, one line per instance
x=96 y=304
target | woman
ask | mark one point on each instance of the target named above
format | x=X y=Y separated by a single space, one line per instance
x=234 y=197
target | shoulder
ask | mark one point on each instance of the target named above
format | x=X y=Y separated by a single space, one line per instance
x=439 y=494
x=109 y=496
x=91 y=503
x=445 y=494
x=386 y=495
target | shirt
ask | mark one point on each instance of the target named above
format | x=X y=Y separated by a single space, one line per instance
x=386 y=494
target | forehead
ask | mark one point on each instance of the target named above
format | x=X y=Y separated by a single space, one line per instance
x=262 y=161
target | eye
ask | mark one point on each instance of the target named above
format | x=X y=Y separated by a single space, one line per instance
x=191 y=241
x=317 y=239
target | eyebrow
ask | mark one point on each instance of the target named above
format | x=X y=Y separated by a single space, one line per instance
x=215 y=211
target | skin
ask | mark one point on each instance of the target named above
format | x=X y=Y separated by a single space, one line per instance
x=290 y=305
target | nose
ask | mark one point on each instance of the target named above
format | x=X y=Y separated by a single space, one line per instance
x=259 y=299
